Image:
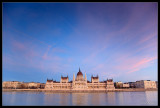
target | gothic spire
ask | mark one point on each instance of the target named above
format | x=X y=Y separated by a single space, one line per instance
x=79 y=69
x=73 y=77
x=85 y=76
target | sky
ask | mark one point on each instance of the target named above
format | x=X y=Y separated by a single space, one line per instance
x=116 y=41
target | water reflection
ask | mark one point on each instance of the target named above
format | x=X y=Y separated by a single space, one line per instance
x=151 y=97
x=12 y=98
x=78 y=99
x=93 y=99
x=119 y=98
x=50 y=98
x=131 y=98
x=110 y=98
x=65 y=99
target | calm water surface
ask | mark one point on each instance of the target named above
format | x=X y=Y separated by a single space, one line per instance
x=78 y=99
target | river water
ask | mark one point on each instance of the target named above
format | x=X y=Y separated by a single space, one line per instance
x=148 y=98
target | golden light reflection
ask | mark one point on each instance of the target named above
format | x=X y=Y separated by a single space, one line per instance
x=79 y=98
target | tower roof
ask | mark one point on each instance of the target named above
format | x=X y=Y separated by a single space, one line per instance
x=79 y=73
x=64 y=77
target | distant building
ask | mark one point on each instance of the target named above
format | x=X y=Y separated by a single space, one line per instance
x=33 y=85
x=118 y=84
x=22 y=85
x=110 y=84
x=79 y=83
x=156 y=84
x=146 y=84
x=42 y=85
x=11 y=84
x=132 y=84
x=125 y=85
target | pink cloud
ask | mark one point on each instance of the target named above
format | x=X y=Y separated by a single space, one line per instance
x=58 y=50
x=18 y=45
x=147 y=38
x=28 y=36
x=136 y=14
x=141 y=64
x=7 y=59
x=26 y=49
x=45 y=56
x=10 y=62
x=98 y=67
x=132 y=64
x=150 y=47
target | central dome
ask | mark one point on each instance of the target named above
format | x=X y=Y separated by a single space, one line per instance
x=79 y=73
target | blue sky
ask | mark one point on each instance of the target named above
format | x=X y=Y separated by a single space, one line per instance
x=47 y=40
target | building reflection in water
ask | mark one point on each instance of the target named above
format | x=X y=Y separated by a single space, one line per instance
x=110 y=98
x=12 y=98
x=130 y=98
x=51 y=98
x=119 y=98
x=65 y=99
x=79 y=99
x=151 y=97
x=93 y=99
x=34 y=98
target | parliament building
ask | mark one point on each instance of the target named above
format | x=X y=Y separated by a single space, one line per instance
x=80 y=83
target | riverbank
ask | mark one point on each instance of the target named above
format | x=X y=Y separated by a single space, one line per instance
x=72 y=91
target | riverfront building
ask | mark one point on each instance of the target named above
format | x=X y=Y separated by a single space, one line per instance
x=118 y=84
x=146 y=84
x=80 y=83
x=121 y=85
x=125 y=85
x=132 y=84
x=22 y=85
x=11 y=84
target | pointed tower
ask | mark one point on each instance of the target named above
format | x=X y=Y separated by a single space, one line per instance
x=73 y=82
x=73 y=77
x=85 y=77
x=79 y=69
x=85 y=80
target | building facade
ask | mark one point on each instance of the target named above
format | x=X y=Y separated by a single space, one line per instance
x=125 y=85
x=146 y=84
x=119 y=84
x=80 y=83
x=132 y=84
x=11 y=84
x=22 y=85
x=156 y=84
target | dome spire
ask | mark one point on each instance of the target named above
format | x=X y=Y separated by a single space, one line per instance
x=79 y=69
x=79 y=73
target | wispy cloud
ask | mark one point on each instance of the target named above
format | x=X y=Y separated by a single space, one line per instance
x=141 y=64
x=18 y=45
x=147 y=37
x=108 y=39
x=45 y=56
